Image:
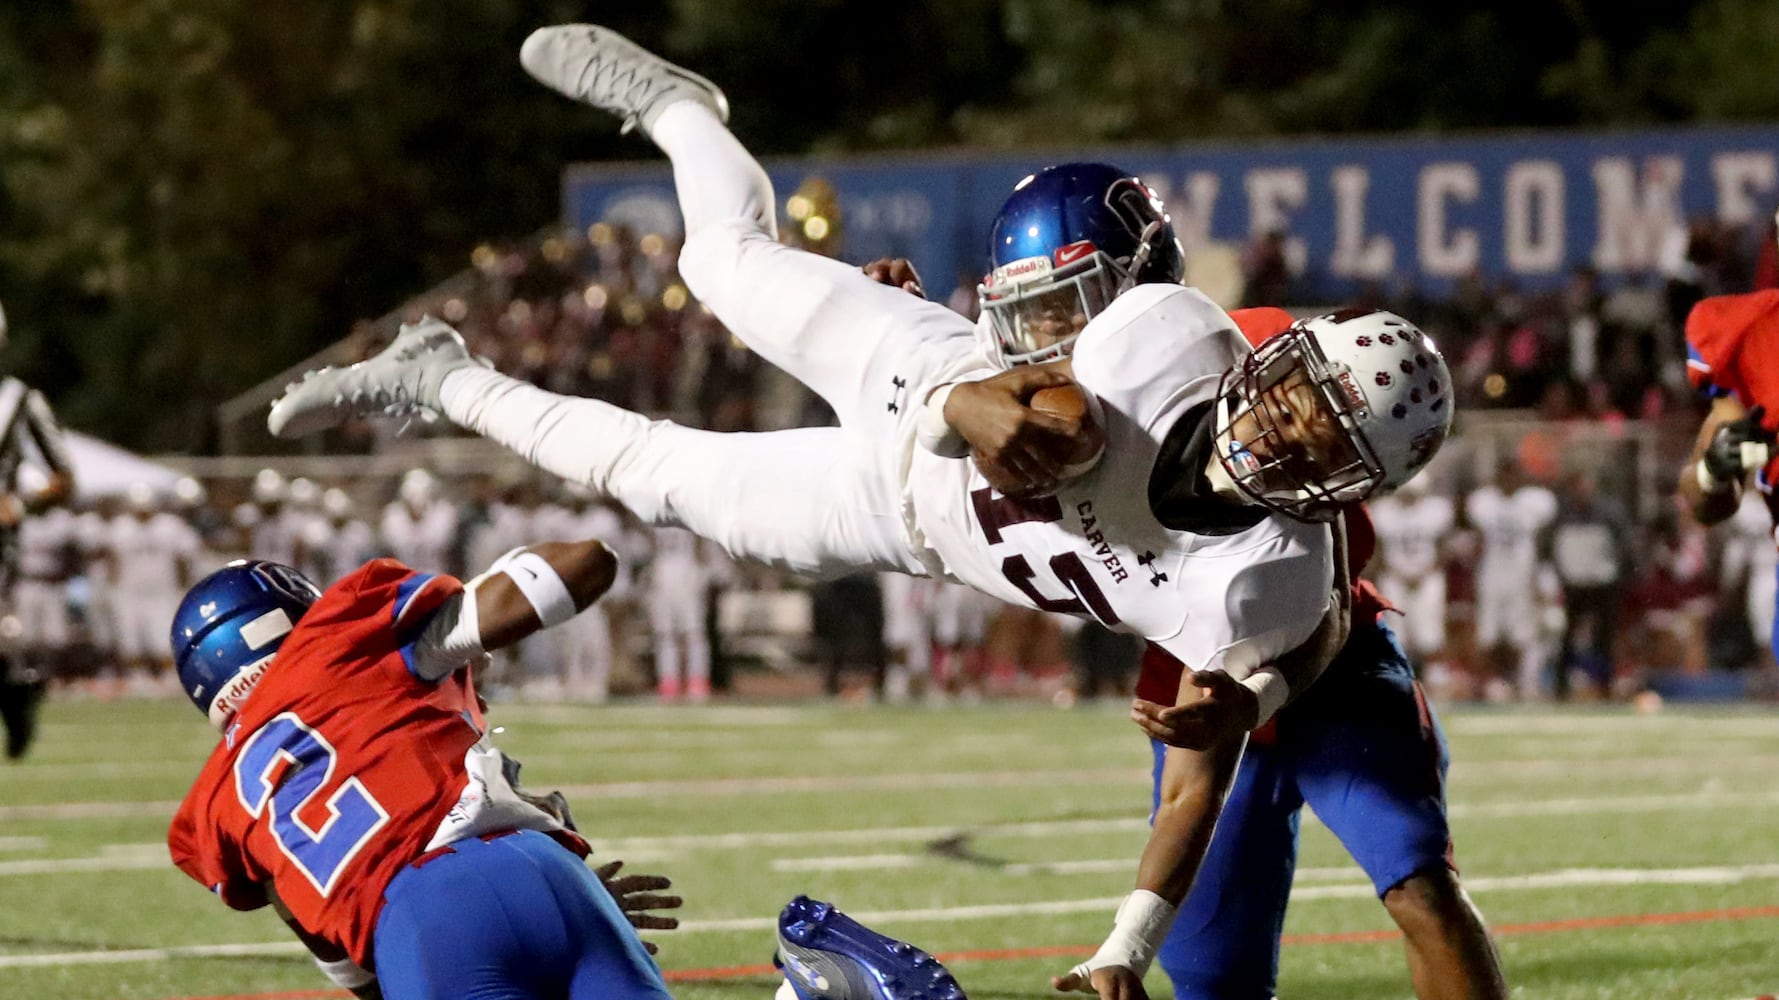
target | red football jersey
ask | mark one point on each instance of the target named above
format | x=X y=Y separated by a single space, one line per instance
x=1732 y=348
x=1159 y=679
x=339 y=768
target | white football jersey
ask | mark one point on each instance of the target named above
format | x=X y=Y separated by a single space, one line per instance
x=146 y=553
x=1510 y=524
x=332 y=550
x=1095 y=548
x=47 y=543
x=1409 y=532
x=422 y=541
x=560 y=524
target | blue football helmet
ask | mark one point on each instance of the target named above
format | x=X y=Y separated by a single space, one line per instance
x=1069 y=240
x=228 y=626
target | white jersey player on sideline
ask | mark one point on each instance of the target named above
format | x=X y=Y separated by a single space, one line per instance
x=419 y=526
x=153 y=557
x=960 y=633
x=1412 y=527
x=92 y=538
x=337 y=542
x=907 y=632
x=49 y=551
x=1513 y=516
x=1750 y=562
x=585 y=648
x=1204 y=561
x=680 y=574
x=271 y=528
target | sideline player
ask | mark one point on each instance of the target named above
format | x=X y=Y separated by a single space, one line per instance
x=1227 y=439
x=28 y=434
x=1732 y=344
x=354 y=788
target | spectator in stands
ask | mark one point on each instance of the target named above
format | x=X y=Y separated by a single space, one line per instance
x=1267 y=271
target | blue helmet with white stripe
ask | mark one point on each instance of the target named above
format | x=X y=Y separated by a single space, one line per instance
x=228 y=626
x=1069 y=240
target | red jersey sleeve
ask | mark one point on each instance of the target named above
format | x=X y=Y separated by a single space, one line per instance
x=1261 y=324
x=200 y=849
x=1717 y=330
x=379 y=608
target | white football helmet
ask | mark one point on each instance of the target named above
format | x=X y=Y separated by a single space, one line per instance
x=1370 y=380
x=268 y=486
x=418 y=487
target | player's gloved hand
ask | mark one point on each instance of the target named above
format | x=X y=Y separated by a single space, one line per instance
x=896 y=272
x=1016 y=447
x=1227 y=710
x=638 y=896
x=1737 y=448
x=1111 y=982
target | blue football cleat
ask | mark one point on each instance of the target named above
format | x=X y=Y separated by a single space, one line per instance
x=827 y=955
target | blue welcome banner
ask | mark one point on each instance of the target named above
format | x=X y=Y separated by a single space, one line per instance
x=1525 y=206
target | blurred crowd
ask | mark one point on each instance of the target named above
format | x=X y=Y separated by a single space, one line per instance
x=1583 y=351
x=98 y=585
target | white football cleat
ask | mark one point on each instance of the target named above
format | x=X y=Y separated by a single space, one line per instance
x=600 y=67
x=402 y=380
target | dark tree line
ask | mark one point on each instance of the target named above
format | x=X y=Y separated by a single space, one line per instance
x=197 y=193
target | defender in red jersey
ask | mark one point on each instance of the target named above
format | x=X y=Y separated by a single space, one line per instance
x=355 y=791
x=354 y=782
x=1732 y=347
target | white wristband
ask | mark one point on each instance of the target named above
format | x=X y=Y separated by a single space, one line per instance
x=934 y=432
x=1137 y=932
x=1271 y=688
x=1710 y=483
x=345 y=973
x=542 y=587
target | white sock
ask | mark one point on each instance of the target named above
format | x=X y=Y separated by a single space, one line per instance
x=716 y=177
x=577 y=439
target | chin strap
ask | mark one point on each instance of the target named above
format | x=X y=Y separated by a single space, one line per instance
x=1140 y=259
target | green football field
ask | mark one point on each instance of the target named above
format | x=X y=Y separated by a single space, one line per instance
x=1617 y=855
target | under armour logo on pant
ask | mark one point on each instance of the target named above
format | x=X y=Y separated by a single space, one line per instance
x=901 y=384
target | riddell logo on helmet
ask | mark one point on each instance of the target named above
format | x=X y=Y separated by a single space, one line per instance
x=237 y=689
x=1349 y=387
x=1021 y=271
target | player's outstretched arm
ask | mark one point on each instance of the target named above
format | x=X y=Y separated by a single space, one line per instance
x=526 y=590
x=1731 y=442
x=1224 y=707
x=1193 y=786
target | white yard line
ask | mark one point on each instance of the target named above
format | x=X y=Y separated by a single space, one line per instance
x=860 y=783
x=1564 y=878
x=23 y=843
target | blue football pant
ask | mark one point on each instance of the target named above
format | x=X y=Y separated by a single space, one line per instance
x=1364 y=749
x=518 y=917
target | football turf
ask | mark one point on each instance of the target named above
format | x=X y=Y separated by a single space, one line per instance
x=1619 y=856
